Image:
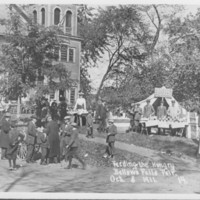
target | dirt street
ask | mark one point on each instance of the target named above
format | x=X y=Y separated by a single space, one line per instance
x=184 y=178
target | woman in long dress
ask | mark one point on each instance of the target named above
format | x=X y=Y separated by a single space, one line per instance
x=80 y=106
x=52 y=132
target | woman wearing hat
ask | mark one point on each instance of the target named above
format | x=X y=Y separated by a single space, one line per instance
x=80 y=105
x=4 y=137
x=80 y=102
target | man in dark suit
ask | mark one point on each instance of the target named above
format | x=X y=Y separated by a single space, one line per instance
x=137 y=117
x=112 y=131
x=101 y=115
x=62 y=107
x=31 y=139
x=73 y=147
x=4 y=136
x=131 y=113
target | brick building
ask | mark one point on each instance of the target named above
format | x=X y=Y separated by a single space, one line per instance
x=64 y=16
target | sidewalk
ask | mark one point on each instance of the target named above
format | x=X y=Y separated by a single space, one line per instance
x=148 y=153
x=123 y=146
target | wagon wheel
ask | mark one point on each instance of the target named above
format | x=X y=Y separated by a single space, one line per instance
x=22 y=151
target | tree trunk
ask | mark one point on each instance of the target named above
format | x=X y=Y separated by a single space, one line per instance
x=101 y=85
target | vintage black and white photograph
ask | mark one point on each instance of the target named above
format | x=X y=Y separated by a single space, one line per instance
x=100 y=98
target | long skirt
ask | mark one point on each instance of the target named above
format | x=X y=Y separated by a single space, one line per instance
x=54 y=148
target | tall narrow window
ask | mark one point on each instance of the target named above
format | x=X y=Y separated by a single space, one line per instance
x=56 y=53
x=69 y=19
x=56 y=16
x=43 y=16
x=71 y=55
x=35 y=16
x=64 y=53
x=72 y=95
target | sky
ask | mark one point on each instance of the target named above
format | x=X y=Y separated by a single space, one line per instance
x=96 y=74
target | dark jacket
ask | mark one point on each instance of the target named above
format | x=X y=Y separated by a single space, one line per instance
x=112 y=131
x=66 y=130
x=31 y=133
x=53 y=137
x=13 y=143
x=4 y=137
x=74 y=140
x=62 y=107
x=102 y=111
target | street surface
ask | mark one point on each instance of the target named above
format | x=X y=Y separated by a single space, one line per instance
x=184 y=178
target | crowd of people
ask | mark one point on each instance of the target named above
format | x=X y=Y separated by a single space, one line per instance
x=44 y=109
x=56 y=142
x=55 y=131
x=161 y=113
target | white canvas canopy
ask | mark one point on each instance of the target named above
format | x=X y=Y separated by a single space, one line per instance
x=153 y=99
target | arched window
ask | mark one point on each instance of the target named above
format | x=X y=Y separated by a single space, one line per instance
x=35 y=16
x=43 y=16
x=68 y=19
x=56 y=16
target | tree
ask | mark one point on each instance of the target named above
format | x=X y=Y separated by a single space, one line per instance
x=136 y=78
x=91 y=45
x=127 y=37
x=28 y=57
x=184 y=38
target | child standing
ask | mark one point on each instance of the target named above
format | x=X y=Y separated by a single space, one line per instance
x=42 y=136
x=89 y=122
x=15 y=139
